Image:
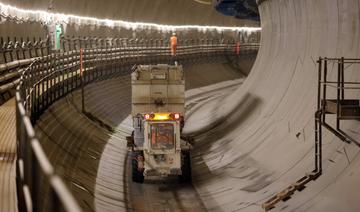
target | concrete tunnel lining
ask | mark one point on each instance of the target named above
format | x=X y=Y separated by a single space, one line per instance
x=294 y=34
x=187 y=12
x=82 y=154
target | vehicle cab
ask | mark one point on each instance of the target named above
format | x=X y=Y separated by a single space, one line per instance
x=162 y=146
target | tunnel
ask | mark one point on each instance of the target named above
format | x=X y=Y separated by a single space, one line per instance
x=271 y=91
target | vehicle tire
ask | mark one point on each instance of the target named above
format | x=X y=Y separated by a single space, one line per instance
x=185 y=168
x=137 y=176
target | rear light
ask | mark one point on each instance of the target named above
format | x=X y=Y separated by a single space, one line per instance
x=176 y=116
x=149 y=116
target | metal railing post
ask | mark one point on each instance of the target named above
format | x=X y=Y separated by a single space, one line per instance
x=82 y=80
x=318 y=130
x=338 y=94
x=324 y=90
x=342 y=78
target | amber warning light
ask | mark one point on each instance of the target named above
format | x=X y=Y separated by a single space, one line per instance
x=162 y=116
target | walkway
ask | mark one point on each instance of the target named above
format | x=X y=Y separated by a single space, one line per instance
x=8 y=200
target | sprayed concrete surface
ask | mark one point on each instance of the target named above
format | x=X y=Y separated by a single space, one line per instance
x=185 y=12
x=167 y=12
x=94 y=161
x=246 y=143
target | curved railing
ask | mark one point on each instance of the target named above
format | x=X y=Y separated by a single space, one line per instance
x=17 y=53
x=53 y=76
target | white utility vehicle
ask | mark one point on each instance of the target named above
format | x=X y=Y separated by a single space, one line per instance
x=158 y=108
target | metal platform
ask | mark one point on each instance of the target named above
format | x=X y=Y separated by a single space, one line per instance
x=349 y=109
x=344 y=109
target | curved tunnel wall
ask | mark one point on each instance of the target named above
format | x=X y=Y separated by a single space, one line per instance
x=257 y=152
x=174 y=12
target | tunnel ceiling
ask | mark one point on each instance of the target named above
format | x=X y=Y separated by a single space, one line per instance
x=174 y=12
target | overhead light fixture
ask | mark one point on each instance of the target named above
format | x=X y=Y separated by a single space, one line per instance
x=45 y=17
x=207 y=2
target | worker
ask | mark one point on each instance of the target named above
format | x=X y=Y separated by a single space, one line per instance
x=237 y=48
x=173 y=44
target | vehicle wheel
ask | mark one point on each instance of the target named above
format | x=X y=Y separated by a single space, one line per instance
x=137 y=176
x=185 y=168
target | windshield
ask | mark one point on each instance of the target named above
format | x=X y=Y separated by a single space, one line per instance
x=162 y=135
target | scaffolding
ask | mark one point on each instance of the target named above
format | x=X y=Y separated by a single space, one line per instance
x=343 y=108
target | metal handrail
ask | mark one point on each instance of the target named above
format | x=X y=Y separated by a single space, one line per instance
x=14 y=50
x=34 y=170
x=340 y=92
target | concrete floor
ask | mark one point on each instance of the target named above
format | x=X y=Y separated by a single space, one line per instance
x=8 y=199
